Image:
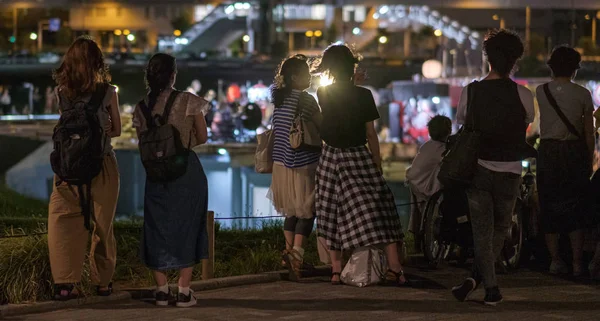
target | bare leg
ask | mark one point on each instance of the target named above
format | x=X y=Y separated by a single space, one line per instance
x=552 y=244
x=336 y=264
x=160 y=278
x=289 y=242
x=298 y=240
x=289 y=239
x=577 y=246
x=391 y=251
x=185 y=277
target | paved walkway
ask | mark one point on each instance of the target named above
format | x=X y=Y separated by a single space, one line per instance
x=528 y=296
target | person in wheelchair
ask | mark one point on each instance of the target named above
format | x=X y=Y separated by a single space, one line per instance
x=421 y=176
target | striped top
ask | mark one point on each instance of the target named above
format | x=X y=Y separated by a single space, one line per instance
x=282 y=122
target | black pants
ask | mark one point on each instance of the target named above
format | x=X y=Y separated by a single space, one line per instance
x=302 y=226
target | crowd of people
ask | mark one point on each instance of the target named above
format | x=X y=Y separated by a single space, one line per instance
x=338 y=183
x=501 y=110
x=27 y=99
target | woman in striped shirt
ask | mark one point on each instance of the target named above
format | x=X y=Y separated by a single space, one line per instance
x=293 y=181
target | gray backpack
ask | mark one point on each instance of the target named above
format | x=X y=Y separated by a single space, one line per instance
x=163 y=155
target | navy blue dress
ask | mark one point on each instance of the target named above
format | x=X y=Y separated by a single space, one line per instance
x=174 y=235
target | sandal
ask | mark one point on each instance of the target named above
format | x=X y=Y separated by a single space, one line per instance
x=293 y=264
x=106 y=292
x=338 y=282
x=64 y=292
x=394 y=278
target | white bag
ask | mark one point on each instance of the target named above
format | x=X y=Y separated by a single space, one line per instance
x=367 y=266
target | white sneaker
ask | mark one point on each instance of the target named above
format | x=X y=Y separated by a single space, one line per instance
x=162 y=298
x=186 y=301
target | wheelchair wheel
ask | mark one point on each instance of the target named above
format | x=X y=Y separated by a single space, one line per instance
x=434 y=250
x=513 y=246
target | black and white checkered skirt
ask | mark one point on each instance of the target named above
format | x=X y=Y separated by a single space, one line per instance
x=355 y=207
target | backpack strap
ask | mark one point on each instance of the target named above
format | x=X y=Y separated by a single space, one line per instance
x=168 y=106
x=561 y=115
x=147 y=113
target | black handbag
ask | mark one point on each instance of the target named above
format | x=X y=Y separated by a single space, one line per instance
x=460 y=159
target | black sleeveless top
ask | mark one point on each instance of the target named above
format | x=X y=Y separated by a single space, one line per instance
x=500 y=116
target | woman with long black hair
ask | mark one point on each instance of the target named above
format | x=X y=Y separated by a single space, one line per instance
x=174 y=235
x=355 y=207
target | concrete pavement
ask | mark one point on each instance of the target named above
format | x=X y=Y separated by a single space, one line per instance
x=528 y=296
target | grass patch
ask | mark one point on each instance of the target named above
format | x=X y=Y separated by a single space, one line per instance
x=15 y=205
x=25 y=268
x=25 y=274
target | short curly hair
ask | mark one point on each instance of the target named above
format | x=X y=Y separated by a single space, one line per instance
x=440 y=127
x=503 y=49
x=564 y=61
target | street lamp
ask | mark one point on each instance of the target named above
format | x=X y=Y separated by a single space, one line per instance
x=177 y=33
x=438 y=33
x=246 y=38
x=383 y=40
x=130 y=37
x=313 y=35
x=496 y=18
x=118 y=32
x=126 y=32
x=33 y=36
x=356 y=31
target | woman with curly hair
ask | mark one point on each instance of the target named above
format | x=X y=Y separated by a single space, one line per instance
x=174 y=235
x=293 y=180
x=81 y=77
x=500 y=110
x=565 y=157
x=355 y=207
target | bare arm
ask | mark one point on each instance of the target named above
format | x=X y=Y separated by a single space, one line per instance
x=201 y=131
x=115 y=116
x=373 y=141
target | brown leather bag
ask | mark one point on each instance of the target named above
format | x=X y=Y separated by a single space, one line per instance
x=304 y=133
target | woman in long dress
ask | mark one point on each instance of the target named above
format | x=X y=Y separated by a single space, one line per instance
x=174 y=234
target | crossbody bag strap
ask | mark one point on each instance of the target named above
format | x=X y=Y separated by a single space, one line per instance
x=470 y=117
x=561 y=115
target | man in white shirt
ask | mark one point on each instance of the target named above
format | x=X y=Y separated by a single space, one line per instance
x=421 y=176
